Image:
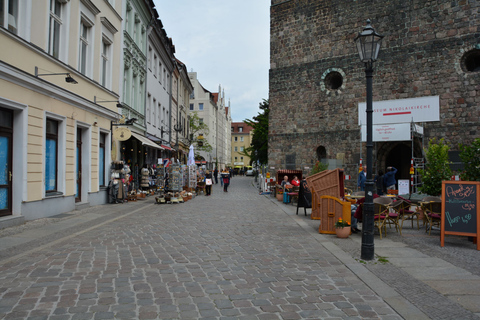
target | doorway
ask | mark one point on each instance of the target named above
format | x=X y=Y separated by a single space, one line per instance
x=78 y=167
x=400 y=157
x=6 y=150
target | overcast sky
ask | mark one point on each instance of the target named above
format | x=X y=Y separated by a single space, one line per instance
x=227 y=43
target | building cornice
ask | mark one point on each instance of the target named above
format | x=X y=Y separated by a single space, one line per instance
x=41 y=86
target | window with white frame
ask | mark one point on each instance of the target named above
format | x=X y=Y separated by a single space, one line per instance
x=51 y=155
x=236 y=149
x=240 y=129
x=154 y=112
x=241 y=139
x=200 y=121
x=241 y=149
x=200 y=106
x=149 y=107
x=154 y=71
x=106 y=61
x=84 y=45
x=55 y=28
x=168 y=83
x=160 y=71
x=236 y=139
x=164 y=77
x=191 y=106
x=159 y=114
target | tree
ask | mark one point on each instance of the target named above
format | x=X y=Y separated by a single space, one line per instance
x=437 y=167
x=470 y=156
x=258 y=149
x=319 y=167
x=197 y=128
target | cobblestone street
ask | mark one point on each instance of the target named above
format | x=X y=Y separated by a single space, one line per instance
x=235 y=255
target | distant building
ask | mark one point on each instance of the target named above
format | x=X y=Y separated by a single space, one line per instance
x=211 y=109
x=241 y=139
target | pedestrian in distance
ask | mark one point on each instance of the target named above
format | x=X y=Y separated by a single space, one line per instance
x=215 y=174
x=362 y=177
x=389 y=181
x=208 y=183
x=226 y=180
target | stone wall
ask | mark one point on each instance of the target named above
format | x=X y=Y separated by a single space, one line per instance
x=317 y=80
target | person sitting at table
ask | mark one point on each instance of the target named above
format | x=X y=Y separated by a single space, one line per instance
x=295 y=181
x=285 y=181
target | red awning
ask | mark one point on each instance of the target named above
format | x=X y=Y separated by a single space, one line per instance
x=167 y=148
x=201 y=162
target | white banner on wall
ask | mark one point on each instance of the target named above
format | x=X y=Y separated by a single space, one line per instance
x=424 y=109
x=388 y=132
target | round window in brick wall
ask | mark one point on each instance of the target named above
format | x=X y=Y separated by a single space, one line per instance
x=471 y=61
x=333 y=80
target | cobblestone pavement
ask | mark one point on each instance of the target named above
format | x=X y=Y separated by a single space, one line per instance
x=458 y=251
x=233 y=255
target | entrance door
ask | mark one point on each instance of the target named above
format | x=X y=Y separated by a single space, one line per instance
x=78 y=167
x=400 y=157
x=6 y=138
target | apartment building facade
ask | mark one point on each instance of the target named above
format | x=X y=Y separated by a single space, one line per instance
x=57 y=81
x=241 y=139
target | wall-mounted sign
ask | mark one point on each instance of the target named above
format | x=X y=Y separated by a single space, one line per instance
x=388 y=132
x=121 y=133
x=422 y=109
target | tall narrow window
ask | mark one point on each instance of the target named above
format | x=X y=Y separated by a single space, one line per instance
x=51 y=156
x=101 y=161
x=154 y=119
x=200 y=106
x=191 y=107
x=55 y=28
x=9 y=15
x=83 y=56
x=105 y=62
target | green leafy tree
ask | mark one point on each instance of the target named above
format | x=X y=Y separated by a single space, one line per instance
x=437 y=168
x=258 y=149
x=319 y=167
x=197 y=128
x=470 y=155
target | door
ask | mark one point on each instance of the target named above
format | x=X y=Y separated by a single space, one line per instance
x=6 y=138
x=78 y=167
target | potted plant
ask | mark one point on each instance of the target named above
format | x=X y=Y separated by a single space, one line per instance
x=342 y=228
x=279 y=193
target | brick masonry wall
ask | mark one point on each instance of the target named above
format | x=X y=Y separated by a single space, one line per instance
x=421 y=55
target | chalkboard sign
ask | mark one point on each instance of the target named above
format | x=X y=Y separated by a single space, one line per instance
x=304 y=196
x=460 y=209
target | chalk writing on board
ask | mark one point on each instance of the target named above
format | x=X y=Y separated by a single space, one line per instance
x=460 y=193
x=465 y=219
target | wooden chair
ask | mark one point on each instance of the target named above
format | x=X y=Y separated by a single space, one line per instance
x=380 y=212
x=432 y=212
x=407 y=213
x=394 y=214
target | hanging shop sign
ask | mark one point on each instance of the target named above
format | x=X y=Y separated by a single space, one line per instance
x=121 y=133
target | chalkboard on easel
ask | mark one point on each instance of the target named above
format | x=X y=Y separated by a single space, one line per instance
x=460 y=209
x=304 y=196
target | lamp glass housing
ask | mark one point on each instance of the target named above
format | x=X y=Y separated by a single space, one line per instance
x=368 y=44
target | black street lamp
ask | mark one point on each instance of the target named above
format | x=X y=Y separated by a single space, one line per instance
x=368 y=44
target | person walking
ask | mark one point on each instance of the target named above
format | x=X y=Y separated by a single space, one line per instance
x=389 y=181
x=362 y=177
x=208 y=183
x=226 y=180
x=215 y=174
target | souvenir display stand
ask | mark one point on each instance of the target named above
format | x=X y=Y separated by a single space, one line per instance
x=175 y=177
x=160 y=178
x=117 y=189
x=192 y=177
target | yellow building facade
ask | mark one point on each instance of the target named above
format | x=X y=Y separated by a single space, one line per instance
x=59 y=84
x=241 y=139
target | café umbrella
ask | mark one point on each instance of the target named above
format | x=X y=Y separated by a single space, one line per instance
x=191 y=156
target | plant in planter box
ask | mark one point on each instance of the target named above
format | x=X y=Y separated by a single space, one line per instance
x=342 y=228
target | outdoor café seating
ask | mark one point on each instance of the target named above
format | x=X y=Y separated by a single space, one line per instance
x=394 y=214
x=432 y=213
x=380 y=214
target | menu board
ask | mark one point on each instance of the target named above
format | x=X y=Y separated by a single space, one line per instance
x=460 y=209
x=304 y=196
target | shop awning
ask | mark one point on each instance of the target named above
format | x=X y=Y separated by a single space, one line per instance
x=167 y=147
x=146 y=141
